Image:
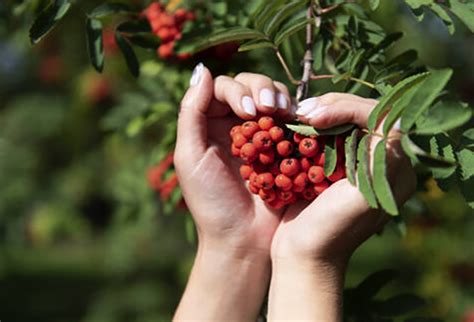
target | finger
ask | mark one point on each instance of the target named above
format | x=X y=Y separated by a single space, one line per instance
x=237 y=96
x=263 y=91
x=192 y=121
x=283 y=101
x=334 y=109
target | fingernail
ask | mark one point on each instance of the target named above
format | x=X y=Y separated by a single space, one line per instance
x=197 y=74
x=267 y=98
x=249 y=106
x=306 y=106
x=281 y=101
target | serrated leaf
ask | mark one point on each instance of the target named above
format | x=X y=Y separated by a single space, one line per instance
x=440 y=12
x=442 y=117
x=374 y=4
x=302 y=129
x=128 y=54
x=47 y=19
x=330 y=156
x=464 y=11
x=424 y=96
x=419 y=155
x=466 y=162
x=467 y=139
x=440 y=147
x=255 y=44
x=350 y=149
x=392 y=95
x=373 y=283
x=336 y=130
x=282 y=14
x=107 y=9
x=296 y=26
x=220 y=37
x=363 y=171
x=382 y=188
x=95 y=45
x=398 y=305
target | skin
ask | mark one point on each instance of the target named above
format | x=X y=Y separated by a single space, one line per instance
x=245 y=246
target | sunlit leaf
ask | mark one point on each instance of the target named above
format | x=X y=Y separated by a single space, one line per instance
x=95 y=43
x=363 y=171
x=350 y=149
x=330 y=156
x=47 y=19
x=382 y=187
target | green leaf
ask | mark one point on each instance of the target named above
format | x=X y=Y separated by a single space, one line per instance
x=384 y=44
x=440 y=12
x=107 y=9
x=374 y=4
x=220 y=37
x=424 y=97
x=351 y=156
x=442 y=117
x=340 y=129
x=381 y=185
x=464 y=11
x=363 y=171
x=95 y=43
x=330 y=156
x=128 y=54
x=372 y=284
x=145 y=41
x=467 y=139
x=134 y=26
x=282 y=14
x=399 y=305
x=306 y=130
x=255 y=44
x=440 y=147
x=393 y=94
x=268 y=11
x=466 y=162
x=419 y=155
x=296 y=26
x=467 y=192
x=47 y=19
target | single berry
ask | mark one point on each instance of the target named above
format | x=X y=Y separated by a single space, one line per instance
x=277 y=203
x=249 y=128
x=338 y=174
x=320 y=187
x=301 y=180
x=308 y=147
x=234 y=130
x=306 y=163
x=298 y=188
x=289 y=167
x=283 y=182
x=319 y=159
x=254 y=189
x=316 y=174
x=276 y=133
x=235 y=150
x=267 y=195
x=284 y=148
x=262 y=140
x=285 y=195
x=248 y=152
x=253 y=178
x=309 y=194
x=239 y=140
x=245 y=171
x=297 y=138
x=267 y=157
x=265 y=180
x=266 y=123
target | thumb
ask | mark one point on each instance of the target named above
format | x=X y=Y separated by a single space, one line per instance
x=192 y=121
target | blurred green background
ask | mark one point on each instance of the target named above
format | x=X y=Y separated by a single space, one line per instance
x=82 y=235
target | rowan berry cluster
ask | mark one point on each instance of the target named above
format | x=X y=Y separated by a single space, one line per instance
x=168 y=27
x=283 y=166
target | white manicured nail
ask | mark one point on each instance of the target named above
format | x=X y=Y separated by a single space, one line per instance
x=249 y=106
x=197 y=74
x=267 y=98
x=305 y=107
x=281 y=101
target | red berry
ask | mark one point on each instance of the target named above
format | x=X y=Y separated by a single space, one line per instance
x=308 y=147
x=180 y=15
x=265 y=180
x=267 y=157
x=267 y=195
x=266 y=123
x=298 y=188
x=248 y=152
x=235 y=151
x=319 y=159
x=165 y=51
x=277 y=203
x=309 y=194
x=245 y=171
x=239 y=140
x=285 y=195
x=166 y=34
x=262 y=140
x=253 y=178
x=289 y=167
x=297 y=138
x=283 y=182
x=234 y=130
x=306 y=163
x=320 y=187
x=254 y=189
x=276 y=133
x=338 y=174
x=316 y=174
x=284 y=148
x=301 y=180
x=249 y=128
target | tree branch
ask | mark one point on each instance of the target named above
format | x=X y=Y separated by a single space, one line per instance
x=302 y=91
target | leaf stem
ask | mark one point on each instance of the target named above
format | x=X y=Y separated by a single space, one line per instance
x=349 y=78
x=302 y=91
x=288 y=72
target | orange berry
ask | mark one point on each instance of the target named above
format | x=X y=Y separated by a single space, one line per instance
x=239 y=140
x=284 y=148
x=235 y=129
x=248 y=152
x=298 y=188
x=180 y=15
x=267 y=195
x=338 y=174
x=253 y=178
x=165 y=51
x=265 y=180
x=301 y=180
x=249 y=128
x=245 y=171
x=276 y=203
x=319 y=159
x=267 y=157
x=289 y=167
x=320 y=187
x=297 y=138
x=283 y=182
x=316 y=174
x=308 y=147
x=254 y=189
x=266 y=123
x=306 y=163
x=262 y=140
x=285 y=195
x=276 y=133
x=235 y=151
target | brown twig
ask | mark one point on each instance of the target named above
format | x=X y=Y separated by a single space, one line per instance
x=349 y=78
x=302 y=91
x=290 y=76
